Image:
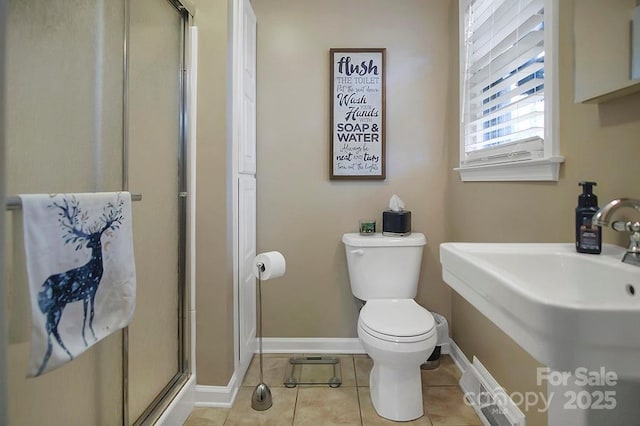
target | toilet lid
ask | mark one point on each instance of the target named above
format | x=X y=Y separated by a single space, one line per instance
x=396 y=318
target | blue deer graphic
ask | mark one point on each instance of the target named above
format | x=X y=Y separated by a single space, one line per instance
x=78 y=284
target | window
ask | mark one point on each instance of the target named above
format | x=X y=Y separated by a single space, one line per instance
x=508 y=94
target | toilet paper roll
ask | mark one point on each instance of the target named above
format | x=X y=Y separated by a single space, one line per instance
x=273 y=263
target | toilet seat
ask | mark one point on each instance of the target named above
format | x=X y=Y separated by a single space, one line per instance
x=396 y=320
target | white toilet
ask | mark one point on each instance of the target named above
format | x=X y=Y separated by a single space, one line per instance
x=397 y=333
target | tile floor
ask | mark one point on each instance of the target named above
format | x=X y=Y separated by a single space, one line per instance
x=349 y=404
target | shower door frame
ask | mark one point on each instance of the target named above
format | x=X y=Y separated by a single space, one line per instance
x=186 y=10
x=4 y=416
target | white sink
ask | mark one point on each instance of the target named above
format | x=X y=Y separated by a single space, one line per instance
x=566 y=309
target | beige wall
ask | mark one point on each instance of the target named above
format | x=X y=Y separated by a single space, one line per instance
x=214 y=262
x=300 y=211
x=599 y=143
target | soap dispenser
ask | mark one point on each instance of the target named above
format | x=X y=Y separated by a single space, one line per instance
x=588 y=237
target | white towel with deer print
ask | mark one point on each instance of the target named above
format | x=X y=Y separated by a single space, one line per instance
x=81 y=269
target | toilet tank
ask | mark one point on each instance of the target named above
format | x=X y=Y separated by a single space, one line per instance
x=383 y=267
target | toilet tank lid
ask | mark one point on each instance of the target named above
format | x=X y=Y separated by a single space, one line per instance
x=379 y=240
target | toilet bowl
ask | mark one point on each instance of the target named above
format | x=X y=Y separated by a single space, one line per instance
x=396 y=332
x=398 y=335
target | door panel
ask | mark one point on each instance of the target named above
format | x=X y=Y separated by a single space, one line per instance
x=247 y=253
x=247 y=155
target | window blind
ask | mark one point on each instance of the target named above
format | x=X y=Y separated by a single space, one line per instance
x=503 y=90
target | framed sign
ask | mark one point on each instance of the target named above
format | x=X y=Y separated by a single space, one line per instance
x=357 y=114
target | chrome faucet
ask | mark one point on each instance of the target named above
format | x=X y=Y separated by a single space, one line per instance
x=603 y=216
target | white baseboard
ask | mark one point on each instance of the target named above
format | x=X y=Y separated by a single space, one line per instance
x=456 y=355
x=299 y=345
x=222 y=396
x=217 y=396
x=181 y=406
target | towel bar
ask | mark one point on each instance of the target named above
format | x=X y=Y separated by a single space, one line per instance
x=14 y=203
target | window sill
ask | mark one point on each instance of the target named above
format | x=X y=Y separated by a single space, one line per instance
x=545 y=169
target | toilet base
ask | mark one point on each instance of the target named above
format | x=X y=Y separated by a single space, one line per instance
x=400 y=396
x=395 y=381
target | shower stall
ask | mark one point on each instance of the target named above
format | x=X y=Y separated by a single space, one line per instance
x=96 y=100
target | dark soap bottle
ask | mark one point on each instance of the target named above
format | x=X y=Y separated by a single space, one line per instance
x=588 y=237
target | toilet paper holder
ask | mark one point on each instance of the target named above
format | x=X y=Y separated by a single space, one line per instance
x=261 y=398
x=269 y=265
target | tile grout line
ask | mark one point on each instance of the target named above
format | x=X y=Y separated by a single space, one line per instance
x=359 y=406
x=295 y=401
x=353 y=364
x=227 y=416
x=295 y=405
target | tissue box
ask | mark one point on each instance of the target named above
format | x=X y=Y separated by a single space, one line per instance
x=396 y=223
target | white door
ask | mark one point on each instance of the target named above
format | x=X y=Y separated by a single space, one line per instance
x=246 y=180
x=247 y=151
x=247 y=253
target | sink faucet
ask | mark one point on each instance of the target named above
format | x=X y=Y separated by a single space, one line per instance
x=603 y=216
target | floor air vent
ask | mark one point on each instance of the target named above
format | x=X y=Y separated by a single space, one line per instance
x=488 y=399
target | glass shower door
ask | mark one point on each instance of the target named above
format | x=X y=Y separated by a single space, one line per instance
x=64 y=134
x=65 y=131
x=156 y=168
